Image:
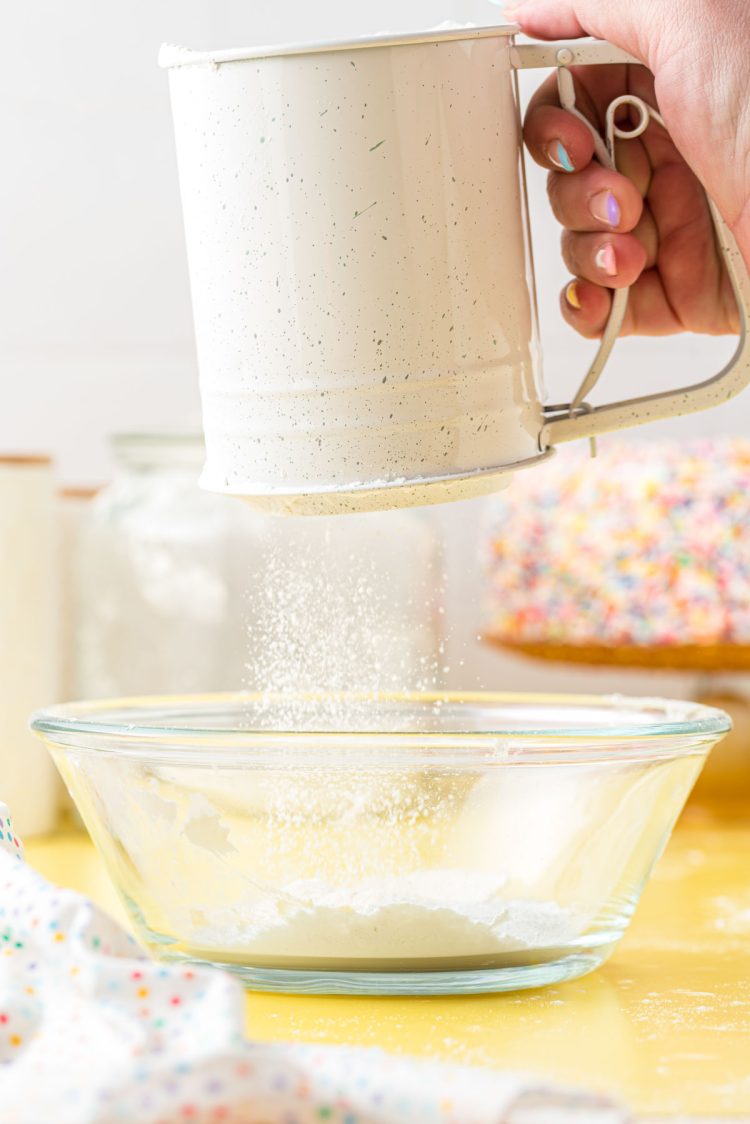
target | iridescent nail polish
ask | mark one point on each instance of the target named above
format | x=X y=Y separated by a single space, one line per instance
x=606 y=259
x=605 y=208
x=558 y=155
x=571 y=295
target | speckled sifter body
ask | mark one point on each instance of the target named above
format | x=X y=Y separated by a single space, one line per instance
x=361 y=274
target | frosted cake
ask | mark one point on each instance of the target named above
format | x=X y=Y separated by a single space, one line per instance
x=639 y=556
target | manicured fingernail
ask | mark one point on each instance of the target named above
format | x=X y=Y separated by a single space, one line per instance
x=557 y=154
x=605 y=208
x=571 y=295
x=606 y=259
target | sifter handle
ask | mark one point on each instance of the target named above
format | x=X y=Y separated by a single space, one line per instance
x=578 y=419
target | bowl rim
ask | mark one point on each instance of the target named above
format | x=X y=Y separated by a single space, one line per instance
x=684 y=727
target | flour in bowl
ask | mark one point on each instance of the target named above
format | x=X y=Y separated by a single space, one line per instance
x=429 y=917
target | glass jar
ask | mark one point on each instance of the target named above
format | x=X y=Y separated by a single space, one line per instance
x=180 y=590
x=154 y=579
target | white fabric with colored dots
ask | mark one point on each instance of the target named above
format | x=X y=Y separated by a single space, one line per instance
x=92 y=1032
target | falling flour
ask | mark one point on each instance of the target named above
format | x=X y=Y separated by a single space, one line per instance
x=353 y=605
x=342 y=605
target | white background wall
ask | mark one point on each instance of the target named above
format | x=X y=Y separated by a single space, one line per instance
x=95 y=326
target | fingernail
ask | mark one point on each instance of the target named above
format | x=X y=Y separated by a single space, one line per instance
x=605 y=208
x=606 y=259
x=557 y=153
x=571 y=295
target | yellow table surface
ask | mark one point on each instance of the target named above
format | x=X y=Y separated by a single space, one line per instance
x=665 y=1024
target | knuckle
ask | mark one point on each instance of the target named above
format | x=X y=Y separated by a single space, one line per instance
x=570 y=246
x=553 y=194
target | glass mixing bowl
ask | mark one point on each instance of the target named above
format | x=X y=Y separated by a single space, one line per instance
x=413 y=844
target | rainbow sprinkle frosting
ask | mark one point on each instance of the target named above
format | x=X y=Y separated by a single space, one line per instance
x=648 y=544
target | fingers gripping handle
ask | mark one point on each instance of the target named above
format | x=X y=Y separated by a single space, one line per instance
x=577 y=419
x=605 y=152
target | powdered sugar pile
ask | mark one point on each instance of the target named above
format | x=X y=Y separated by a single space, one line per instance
x=426 y=915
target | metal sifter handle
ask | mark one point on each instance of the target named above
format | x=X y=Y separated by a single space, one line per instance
x=577 y=419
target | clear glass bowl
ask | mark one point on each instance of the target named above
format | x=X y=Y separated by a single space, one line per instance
x=413 y=844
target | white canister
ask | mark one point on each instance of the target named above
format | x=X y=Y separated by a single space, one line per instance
x=29 y=637
x=73 y=508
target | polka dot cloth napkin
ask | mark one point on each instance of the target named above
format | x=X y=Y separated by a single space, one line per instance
x=92 y=1032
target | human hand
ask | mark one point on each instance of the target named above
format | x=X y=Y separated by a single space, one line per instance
x=649 y=225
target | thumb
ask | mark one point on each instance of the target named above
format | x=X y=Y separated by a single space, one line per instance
x=633 y=26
